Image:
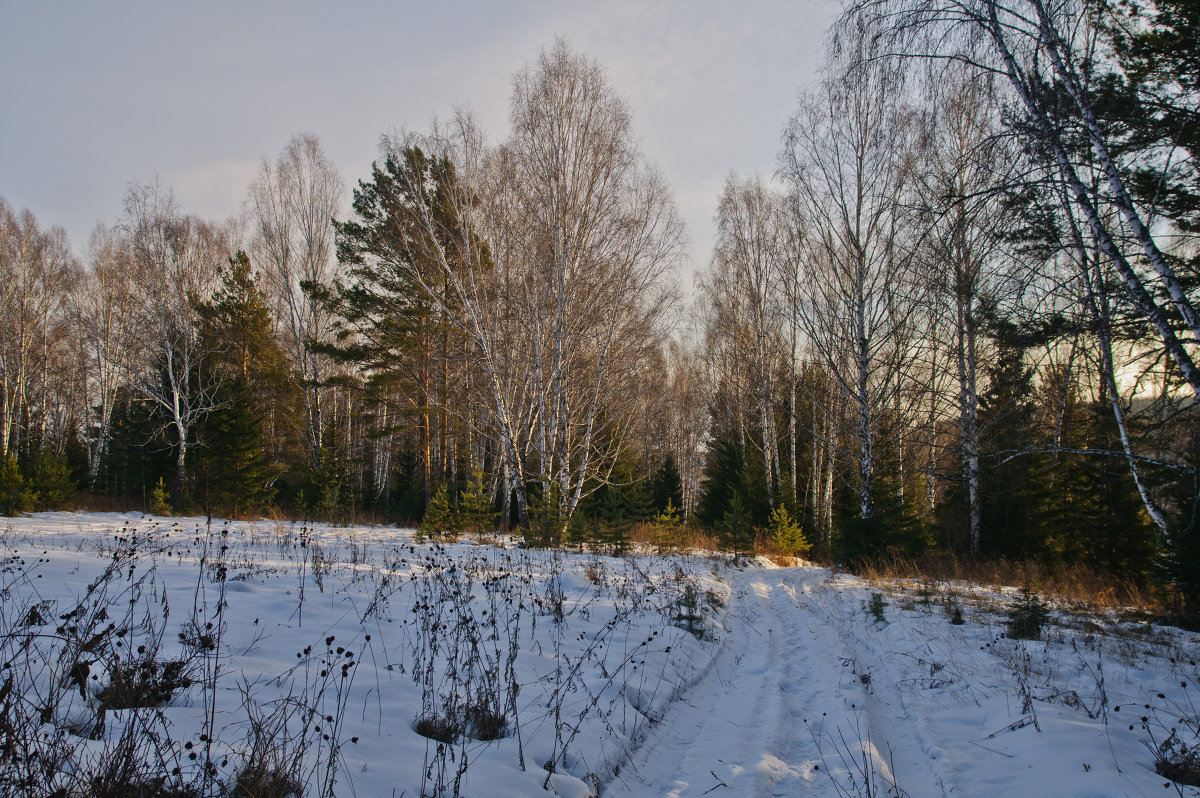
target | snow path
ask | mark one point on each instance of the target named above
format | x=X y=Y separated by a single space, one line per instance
x=755 y=725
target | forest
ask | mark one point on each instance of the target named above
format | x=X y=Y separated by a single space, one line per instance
x=960 y=320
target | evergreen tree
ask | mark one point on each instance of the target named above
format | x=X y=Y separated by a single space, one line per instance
x=386 y=322
x=238 y=477
x=735 y=529
x=668 y=528
x=666 y=487
x=441 y=520
x=785 y=534
x=15 y=495
x=1007 y=428
x=138 y=453
x=1149 y=107
x=475 y=509
x=159 y=500
x=237 y=473
x=728 y=472
x=328 y=486
x=52 y=482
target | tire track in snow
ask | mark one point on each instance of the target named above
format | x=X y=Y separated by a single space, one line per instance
x=741 y=724
x=741 y=729
x=872 y=708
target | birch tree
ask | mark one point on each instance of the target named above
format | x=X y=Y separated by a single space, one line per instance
x=606 y=235
x=1042 y=51
x=36 y=275
x=292 y=204
x=847 y=157
x=177 y=260
x=744 y=283
x=105 y=313
x=965 y=162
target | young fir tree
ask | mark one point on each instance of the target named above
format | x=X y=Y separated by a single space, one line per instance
x=668 y=527
x=735 y=529
x=616 y=522
x=52 y=481
x=441 y=520
x=728 y=472
x=785 y=534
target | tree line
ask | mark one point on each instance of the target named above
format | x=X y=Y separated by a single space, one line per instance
x=490 y=316
x=960 y=317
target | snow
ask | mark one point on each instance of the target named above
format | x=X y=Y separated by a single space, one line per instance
x=789 y=686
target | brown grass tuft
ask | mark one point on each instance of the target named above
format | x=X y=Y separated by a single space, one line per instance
x=1080 y=585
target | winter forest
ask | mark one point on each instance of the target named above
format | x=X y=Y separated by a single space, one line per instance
x=959 y=322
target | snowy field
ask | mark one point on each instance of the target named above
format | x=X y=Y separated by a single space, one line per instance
x=355 y=661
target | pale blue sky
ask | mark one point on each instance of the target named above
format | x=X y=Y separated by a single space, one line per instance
x=95 y=95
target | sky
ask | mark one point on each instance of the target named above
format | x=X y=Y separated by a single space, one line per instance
x=94 y=96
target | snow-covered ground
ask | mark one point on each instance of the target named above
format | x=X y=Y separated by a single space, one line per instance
x=337 y=654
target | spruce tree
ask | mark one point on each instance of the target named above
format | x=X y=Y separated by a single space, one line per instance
x=238 y=474
x=1007 y=428
x=666 y=487
x=735 y=529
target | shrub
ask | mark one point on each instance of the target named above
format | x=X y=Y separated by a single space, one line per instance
x=257 y=780
x=437 y=727
x=477 y=721
x=1178 y=761
x=148 y=683
x=485 y=724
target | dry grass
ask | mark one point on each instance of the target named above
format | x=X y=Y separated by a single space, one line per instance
x=689 y=538
x=1076 y=585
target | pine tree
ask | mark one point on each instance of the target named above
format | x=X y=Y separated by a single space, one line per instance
x=1149 y=108
x=387 y=324
x=668 y=527
x=441 y=520
x=475 y=509
x=785 y=534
